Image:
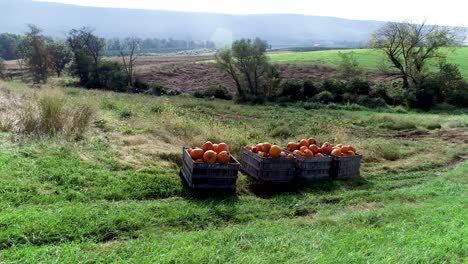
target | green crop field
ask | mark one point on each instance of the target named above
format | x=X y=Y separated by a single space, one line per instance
x=114 y=195
x=368 y=59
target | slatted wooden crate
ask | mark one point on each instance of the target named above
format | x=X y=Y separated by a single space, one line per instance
x=275 y=170
x=346 y=167
x=312 y=168
x=209 y=176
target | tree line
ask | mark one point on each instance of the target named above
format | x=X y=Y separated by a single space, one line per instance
x=409 y=48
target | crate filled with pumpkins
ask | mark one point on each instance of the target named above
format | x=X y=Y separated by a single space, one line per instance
x=210 y=166
x=269 y=163
x=315 y=163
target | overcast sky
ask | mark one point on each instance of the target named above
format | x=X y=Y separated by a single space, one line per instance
x=446 y=12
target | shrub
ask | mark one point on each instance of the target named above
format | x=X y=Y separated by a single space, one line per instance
x=358 y=86
x=157 y=90
x=335 y=87
x=111 y=77
x=349 y=66
x=425 y=94
x=217 y=91
x=125 y=113
x=309 y=89
x=324 y=97
x=293 y=90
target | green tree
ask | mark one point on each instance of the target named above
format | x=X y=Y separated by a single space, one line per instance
x=247 y=64
x=87 y=51
x=349 y=66
x=2 y=68
x=409 y=46
x=36 y=55
x=9 y=46
x=60 y=56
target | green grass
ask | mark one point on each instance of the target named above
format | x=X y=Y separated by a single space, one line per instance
x=369 y=59
x=114 y=195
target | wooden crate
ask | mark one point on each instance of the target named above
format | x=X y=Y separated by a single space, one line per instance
x=275 y=170
x=346 y=167
x=209 y=176
x=312 y=168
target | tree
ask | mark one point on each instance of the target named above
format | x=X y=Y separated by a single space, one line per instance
x=9 y=45
x=2 y=68
x=128 y=50
x=408 y=46
x=60 y=56
x=87 y=52
x=247 y=64
x=36 y=54
x=349 y=66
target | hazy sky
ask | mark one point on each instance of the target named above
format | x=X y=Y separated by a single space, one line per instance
x=446 y=12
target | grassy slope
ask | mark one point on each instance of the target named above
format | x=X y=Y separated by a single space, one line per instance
x=369 y=59
x=116 y=195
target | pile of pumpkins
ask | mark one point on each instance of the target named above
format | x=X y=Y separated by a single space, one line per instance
x=219 y=153
x=308 y=148
x=267 y=150
x=211 y=153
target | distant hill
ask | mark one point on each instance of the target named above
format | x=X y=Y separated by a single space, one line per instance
x=280 y=30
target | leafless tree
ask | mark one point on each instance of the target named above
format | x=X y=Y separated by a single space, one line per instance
x=408 y=46
x=129 y=50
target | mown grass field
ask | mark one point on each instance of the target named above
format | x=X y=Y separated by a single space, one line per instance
x=368 y=59
x=114 y=195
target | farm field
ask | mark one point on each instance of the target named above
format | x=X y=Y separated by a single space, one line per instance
x=369 y=59
x=114 y=194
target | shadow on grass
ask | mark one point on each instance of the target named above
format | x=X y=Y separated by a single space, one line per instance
x=268 y=190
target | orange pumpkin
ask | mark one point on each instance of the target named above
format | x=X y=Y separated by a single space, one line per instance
x=312 y=141
x=215 y=148
x=292 y=146
x=275 y=151
x=207 y=146
x=327 y=147
x=248 y=147
x=308 y=153
x=319 y=155
x=304 y=142
x=189 y=150
x=197 y=153
x=259 y=147
x=314 y=148
x=290 y=156
x=209 y=156
x=298 y=152
x=303 y=148
x=224 y=157
x=223 y=147
x=337 y=152
x=199 y=161
x=266 y=147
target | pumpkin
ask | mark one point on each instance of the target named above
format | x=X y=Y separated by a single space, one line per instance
x=210 y=156
x=224 y=157
x=275 y=151
x=314 y=148
x=197 y=153
x=223 y=147
x=207 y=146
x=292 y=146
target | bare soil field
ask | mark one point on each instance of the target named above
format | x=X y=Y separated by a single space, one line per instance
x=187 y=74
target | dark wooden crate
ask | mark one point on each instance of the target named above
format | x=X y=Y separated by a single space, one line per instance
x=275 y=170
x=312 y=168
x=346 y=167
x=209 y=176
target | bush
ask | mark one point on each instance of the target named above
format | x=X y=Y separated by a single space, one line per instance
x=358 y=86
x=217 y=91
x=335 y=87
x=324 y=97
x=157 y=90
x=425 y=94
x=309 y=89
x=293 y=90
x=111 y=77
